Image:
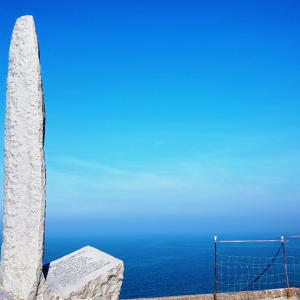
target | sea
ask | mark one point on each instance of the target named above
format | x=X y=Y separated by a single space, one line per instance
x=172 y=265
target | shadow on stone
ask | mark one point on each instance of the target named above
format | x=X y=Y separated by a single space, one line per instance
x=45 y=270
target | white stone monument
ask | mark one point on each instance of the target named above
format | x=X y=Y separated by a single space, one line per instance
x=84 y=274
x=24 y=166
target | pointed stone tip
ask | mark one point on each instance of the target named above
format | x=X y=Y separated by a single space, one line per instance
x=28 y=20
x=24 y=26
x=28 y=17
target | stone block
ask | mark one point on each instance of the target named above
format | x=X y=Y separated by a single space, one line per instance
x=87 y=273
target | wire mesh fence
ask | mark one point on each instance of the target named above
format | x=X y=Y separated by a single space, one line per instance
x=236 y=273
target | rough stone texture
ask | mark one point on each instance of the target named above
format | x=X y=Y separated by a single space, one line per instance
x=87 y=273
x=24 y=166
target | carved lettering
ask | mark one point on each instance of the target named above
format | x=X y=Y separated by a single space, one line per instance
x=72 y=269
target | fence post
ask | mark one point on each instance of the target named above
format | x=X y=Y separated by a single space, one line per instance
x=286 y=270
x=215 y=296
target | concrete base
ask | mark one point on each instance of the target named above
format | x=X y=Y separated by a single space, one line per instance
x=256 y=295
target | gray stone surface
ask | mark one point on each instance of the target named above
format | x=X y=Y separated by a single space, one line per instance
x=87 y=273
x=24 y=166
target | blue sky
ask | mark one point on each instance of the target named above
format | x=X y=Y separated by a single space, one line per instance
x=167 y=116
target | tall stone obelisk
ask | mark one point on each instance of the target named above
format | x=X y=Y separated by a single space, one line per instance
x=24 y=166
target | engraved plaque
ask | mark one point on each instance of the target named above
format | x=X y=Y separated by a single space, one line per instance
x=75 y=270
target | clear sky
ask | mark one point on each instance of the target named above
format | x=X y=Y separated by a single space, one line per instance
x=166 y=115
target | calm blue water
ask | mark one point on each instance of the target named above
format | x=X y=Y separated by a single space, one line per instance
x=158 y=266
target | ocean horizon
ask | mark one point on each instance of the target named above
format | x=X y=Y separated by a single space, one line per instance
x=171 y=265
